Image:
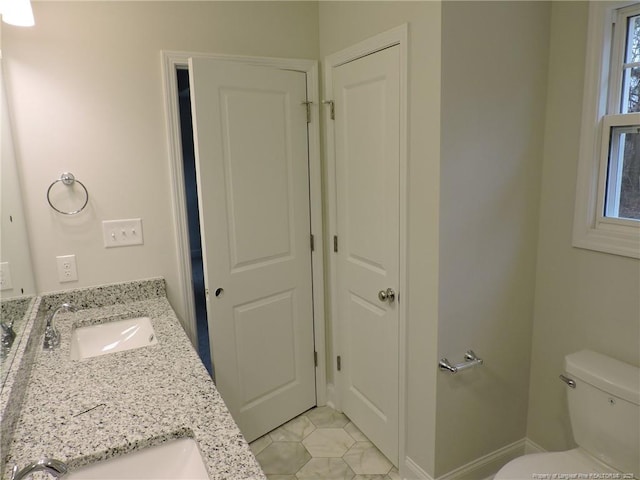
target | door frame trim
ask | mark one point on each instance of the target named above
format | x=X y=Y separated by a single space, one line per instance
x=396 y=36
x=172 y=60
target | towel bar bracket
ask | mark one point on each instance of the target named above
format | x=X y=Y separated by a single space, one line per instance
x=470 y=360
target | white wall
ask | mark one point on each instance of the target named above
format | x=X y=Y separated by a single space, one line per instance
x=494 y=72
x=85 y=89
x=14 y=243
x=341 y=25
x=584 y=299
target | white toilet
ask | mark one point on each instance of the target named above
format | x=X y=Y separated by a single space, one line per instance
x=604 y=407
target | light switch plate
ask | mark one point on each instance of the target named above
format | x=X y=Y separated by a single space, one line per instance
x=5 y=276
x=122 y=233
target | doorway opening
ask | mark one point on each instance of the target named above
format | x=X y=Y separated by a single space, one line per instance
x=193 y=218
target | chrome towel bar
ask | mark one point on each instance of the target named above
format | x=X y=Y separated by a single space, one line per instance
x=470 y=360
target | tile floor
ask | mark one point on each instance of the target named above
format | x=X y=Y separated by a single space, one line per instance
x=321 y=444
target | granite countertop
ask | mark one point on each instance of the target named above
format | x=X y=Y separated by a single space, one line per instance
x=130 y=399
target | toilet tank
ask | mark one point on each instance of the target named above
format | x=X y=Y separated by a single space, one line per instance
x=605 y=409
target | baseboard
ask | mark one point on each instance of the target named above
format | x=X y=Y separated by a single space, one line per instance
x=413 y=471
x=482 y=468
x=532 y=447
x=487 y=466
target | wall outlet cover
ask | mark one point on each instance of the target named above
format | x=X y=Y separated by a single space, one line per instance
x=67 y=269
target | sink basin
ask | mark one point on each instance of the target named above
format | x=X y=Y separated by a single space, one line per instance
x=178 y=459
x=111 y=337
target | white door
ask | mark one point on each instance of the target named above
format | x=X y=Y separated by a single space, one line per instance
x=250 y=134
x=367 y=142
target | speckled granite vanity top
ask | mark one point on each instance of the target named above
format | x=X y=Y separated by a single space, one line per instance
x=82 y=411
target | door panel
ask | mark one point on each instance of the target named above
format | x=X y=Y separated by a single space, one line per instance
x=250 y=135
x=366 y=359
x=365 y=178
x=244 y=111
x=265 y=329
x=367 y=140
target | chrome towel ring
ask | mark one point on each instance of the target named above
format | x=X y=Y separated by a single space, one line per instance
x=68 y=179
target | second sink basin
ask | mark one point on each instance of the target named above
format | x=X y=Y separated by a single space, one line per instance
x=111 y=337
x=178 y=459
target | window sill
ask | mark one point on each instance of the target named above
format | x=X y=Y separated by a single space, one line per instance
x=624 y=241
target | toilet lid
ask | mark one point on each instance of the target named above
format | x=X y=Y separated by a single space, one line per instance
x=541 y=464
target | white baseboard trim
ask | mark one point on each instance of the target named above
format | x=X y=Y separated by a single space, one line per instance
x=413 y=471
x=482 y=468
x=487 y=465
x=532 y=447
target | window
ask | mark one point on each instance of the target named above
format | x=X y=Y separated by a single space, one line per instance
x=607 y=216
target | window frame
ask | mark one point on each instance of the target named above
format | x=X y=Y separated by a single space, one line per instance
x=629 y=121
x=603 y=83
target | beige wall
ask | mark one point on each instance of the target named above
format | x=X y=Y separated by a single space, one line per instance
x=14 y=243
x=494 y=73
x=85 y=89
x=341 y=25
x=85 y=92
x=584 y=299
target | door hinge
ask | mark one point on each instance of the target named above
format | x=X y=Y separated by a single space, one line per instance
x=313 y=243
x=335 y=243
x=315 y=358
x=339 y=362
x=332 y=108
x=308 y=105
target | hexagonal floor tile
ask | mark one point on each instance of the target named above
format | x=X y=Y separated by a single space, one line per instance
x=327 y=417
x=294 y=431
x=365 y=459
x=370 y=477
x=394 y=474
x=283 y=458
x=260 y=444
x=325 y=469
x=328 y=442
x=357 y=435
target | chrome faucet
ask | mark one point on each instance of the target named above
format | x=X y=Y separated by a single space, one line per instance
x=51 y=335
x=49 y=465
x=8 y=336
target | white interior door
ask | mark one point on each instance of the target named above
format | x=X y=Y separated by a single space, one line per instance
x=250 y=135
x=367 y=142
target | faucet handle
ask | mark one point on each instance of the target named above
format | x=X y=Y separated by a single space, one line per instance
x=51 y=338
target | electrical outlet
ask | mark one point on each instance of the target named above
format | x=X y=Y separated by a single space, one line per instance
x=5 y=276
x=67 y=269
x=122 y=233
